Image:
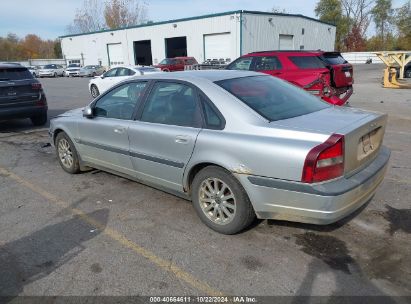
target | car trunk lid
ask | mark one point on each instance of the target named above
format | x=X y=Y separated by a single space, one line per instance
x=363 y=132
x=17 y=91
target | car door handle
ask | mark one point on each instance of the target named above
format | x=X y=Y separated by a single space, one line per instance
x=181 y=139
x=119 y=130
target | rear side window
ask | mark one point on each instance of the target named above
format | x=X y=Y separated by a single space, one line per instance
x=307 y=62
x=212 y=119
x=272 y=98
x=241 y=64
x=15 y=74
x=267 y=63
x=334 y=59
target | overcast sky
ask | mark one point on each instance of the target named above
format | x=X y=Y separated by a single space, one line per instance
x=49 y=18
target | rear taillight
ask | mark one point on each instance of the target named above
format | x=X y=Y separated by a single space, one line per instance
x=36 y=86
x=325 y=161
x=42 y=101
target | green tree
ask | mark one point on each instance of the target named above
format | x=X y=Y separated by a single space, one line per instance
x=382 y=14
x=58 y=53
x=331 y=11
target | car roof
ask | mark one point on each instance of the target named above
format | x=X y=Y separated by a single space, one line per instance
x=289 y=52
x=210 y=75
x=11 y=65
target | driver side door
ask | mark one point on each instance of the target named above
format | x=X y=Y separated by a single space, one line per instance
x=103 y=139
x=108 y=80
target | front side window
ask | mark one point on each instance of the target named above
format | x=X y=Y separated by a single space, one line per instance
x=241 y=64
x=171 y=104
x=121 y=102
x=272 y=98
x=267 y=63
x=111 y=73
x=307 y=62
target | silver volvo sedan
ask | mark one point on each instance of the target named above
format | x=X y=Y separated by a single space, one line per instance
x=238 y=144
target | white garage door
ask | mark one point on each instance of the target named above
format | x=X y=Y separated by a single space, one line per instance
x=115 y=54
x=217 y=46
x=286 y=42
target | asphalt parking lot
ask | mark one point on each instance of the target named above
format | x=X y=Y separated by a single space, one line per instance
x=99 y=234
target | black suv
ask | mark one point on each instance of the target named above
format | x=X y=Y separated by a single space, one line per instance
x=21 y=96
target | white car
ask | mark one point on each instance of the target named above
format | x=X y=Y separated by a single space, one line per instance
x=51 y=70
x=72 y=70
x=100 y=84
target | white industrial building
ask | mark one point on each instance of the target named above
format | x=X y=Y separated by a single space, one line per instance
x=225 y=35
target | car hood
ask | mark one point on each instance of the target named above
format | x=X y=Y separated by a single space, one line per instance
x=327 y=121
x=71 y=113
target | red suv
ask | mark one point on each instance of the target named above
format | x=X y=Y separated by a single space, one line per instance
x=326 y=74
x=175 y=64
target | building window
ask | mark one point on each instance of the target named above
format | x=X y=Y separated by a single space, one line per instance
x=302 y=31
x=301 y=47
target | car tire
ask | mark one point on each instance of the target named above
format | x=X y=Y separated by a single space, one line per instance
x=55 y=75
x=93 y=75
x=67 y=154
x=166 y=70
x=39 y=120
x=94 y=91
x=209 y=188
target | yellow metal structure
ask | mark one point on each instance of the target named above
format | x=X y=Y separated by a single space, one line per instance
x=393 y=60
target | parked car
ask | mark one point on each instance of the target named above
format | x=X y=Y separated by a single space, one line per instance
x=72 y=70
x=407 y=71
x=91 y=71
x=175 y=64
x=238 y=144
x=34 y=70
x=51 y=70
x=325 y=74
x=100 y=84
x=21 y=95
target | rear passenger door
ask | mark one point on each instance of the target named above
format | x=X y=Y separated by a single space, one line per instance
x=162 y=140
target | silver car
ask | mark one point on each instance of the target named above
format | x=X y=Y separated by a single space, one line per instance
x=51 y=70
x=91 y=71
x=238 y=144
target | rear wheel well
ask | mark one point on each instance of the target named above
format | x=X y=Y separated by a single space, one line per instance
x=197 y=168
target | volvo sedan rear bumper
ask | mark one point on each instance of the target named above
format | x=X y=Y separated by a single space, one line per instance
x=322 y=203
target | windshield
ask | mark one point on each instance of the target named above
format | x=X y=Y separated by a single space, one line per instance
x=73 y=66
x=49 y=66
x=168 y=61
x=15 y=74
x=272 y=98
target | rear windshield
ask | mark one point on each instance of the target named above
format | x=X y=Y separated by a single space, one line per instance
x=15 y=74
x=272 y=98
x=307 y=62
x=334 y=59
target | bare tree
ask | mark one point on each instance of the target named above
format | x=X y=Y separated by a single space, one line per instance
x=122 y=13
x=359 y=12
x=88 y=18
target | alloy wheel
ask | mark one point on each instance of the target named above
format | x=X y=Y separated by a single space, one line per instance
x=65 y=153
x=217 y=201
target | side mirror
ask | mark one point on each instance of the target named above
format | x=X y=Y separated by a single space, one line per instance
x=88 y=112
